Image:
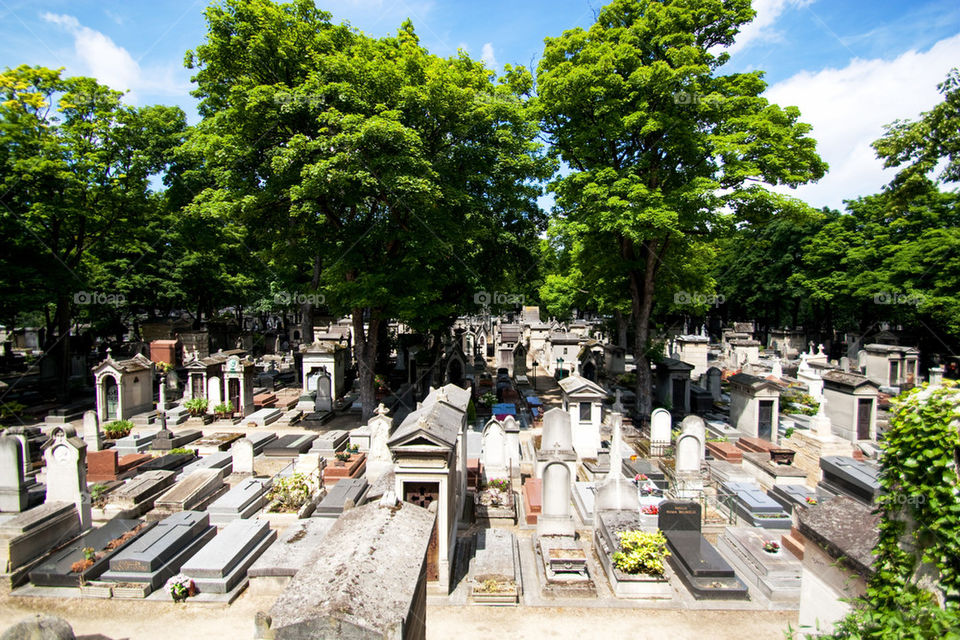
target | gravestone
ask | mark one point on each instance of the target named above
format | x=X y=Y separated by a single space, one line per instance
x=555 y=518
x=91 y=431
x=661 y=424
x=33 y=533
x=557 y=432
x=776 y=574
x=222 y=460
x=850 y=477
x=56 y=570
x=243 y=456
x=137 y=496
x=158 y=554
x=241 y=502
x=193 y=493
x=755 y=507
x=690 y=445
x=13 y=490
x=260 y=440
x=713 y=378
x=263 y=417
x=289 y=445
x=348 y=489
x=324 y=399
x=494 y=450
x=379 y=458
x=167 y=439
x=134 y=443
x=222 y=564
x=293 y=551
x=213 y=443
x=704 y=571
x=169 y=462
x=66 y=459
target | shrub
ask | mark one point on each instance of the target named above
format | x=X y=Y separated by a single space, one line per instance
x=196 y=406
x=118 y=429
x=181 y=450
x=500 y=484
x=641 y=552
x=292 y=492
x=223 y=408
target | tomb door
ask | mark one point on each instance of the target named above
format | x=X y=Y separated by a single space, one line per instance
x=765 y=419
x=196 y=387
x=864 y=409
x=423 y=494
x=111 y=398
x=679 y=401
x=233 y=393
x=894 y=373
x=590 y=371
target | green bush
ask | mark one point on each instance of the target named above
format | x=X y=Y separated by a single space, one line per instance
x=641 y=552
x=196 y=406
x=292 y=492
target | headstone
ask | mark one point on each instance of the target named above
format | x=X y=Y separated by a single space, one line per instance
x=676 y=515
x=557 y=432
x=242 y=452
x=379 y=458
x=222 y=564
x=555 y=518
x=324 y=399
x=661 y=424
x=66 y=459
x=13 y=491
x=714 y=378
x=494 y=450
x=91 y=431
x=690 y=444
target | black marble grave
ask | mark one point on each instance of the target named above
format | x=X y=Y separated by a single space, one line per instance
x=168 y=462
x=705 y=573
x=849 y=477
x=55 y=571
x=289 y=445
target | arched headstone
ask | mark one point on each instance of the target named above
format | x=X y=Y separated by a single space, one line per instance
x=556 y=490
x=557 y=432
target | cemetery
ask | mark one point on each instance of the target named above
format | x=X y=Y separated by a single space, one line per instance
x=381 y=338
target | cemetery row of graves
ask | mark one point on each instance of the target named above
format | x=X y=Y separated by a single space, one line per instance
x=198 y=476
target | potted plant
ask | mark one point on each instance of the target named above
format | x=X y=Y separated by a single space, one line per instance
x=196 y=406
x=118 y=429
x=342 y=457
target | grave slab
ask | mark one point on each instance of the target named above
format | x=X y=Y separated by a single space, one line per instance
x=219 y=460
x=58 y=569
x=754 y=506
x=793 y=496
x=174 y=440
x=193 y=493
x=289 y=446
x=242 y=501
x=293 y=550
x=776 y=575
x=224 y=561
x=849 y=477
x=33 y=533
x=263 y=417
x=137 y=496
x=134 y=443
x=332 y=505
x=216 y=442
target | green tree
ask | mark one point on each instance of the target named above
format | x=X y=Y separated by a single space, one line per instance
x=663 y=150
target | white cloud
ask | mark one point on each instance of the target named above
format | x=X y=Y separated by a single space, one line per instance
x=848 y=108
x=486 y=54
x=100 y=57
x=761 y=29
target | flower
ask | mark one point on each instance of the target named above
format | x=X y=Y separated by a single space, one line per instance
x=811 y=500
x=650 y=509
x=180 y=587
x=771 y=547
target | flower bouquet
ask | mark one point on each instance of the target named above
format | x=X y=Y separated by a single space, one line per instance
x=181 y=587
x=771 y=547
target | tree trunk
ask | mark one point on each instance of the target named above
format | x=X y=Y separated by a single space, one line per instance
x=641 y=295
x=63 y=336
x=621 y=329
x=365 y=351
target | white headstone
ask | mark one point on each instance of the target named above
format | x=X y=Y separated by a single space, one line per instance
x=494 y=450
x=661 y=423
x=557 y=433
x=242 y=451
x=91 y=431
x=66 y=473
x=690 y=444
x=379 y=458
x=777 y=369
x=556 y=490
x=213 y=392
x=13 y=493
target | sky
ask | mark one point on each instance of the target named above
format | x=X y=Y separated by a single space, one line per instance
x=851 y=66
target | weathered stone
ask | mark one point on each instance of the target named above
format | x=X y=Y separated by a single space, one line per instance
x=40 y=627
x=222 y=564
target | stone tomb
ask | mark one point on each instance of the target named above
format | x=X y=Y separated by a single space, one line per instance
x=722 y=471
x=219 y=460
x=532 y=500
x=584 y=498
x=193 y=493
x=769 y=474
x=32 y=534
x=243 y=454
x=168 y=462
x=289 y=446
x=222 y=564
x=263 y=417
x=753 y=506
x=260 y=441
x=725 y=451
x=241 y=502
x=606 y=542
x=495 y=569
x=290 y=553
x=106 y=466
x=776 y=575
x=220 y=441
x=704 y=571
x=134 y=443
x=158 y=554
x=329 y=443
x=57 y=570
x=347 y=489
x=848 y=477
x=137 y=496
x=791 y=496
x=167 y=439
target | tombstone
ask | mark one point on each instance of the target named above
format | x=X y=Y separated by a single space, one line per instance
x=379 y=458
x=222 y=565
x=713 y=378
x=244 y=500
x=91 y=431
x=690 y=444
x=661 y=424
x=66 y=459
x=935 y=376
x=494 y=450
x=213 y=393
x=555 y=518
x=557 y=434
x=324 y=400
x=242 y=451
x=13 y=489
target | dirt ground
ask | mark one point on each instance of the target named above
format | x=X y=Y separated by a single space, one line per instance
x=126 y=620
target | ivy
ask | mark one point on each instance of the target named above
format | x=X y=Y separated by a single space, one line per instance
x=915 y=590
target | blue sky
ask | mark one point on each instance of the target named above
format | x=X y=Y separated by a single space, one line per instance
x=850 y=65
